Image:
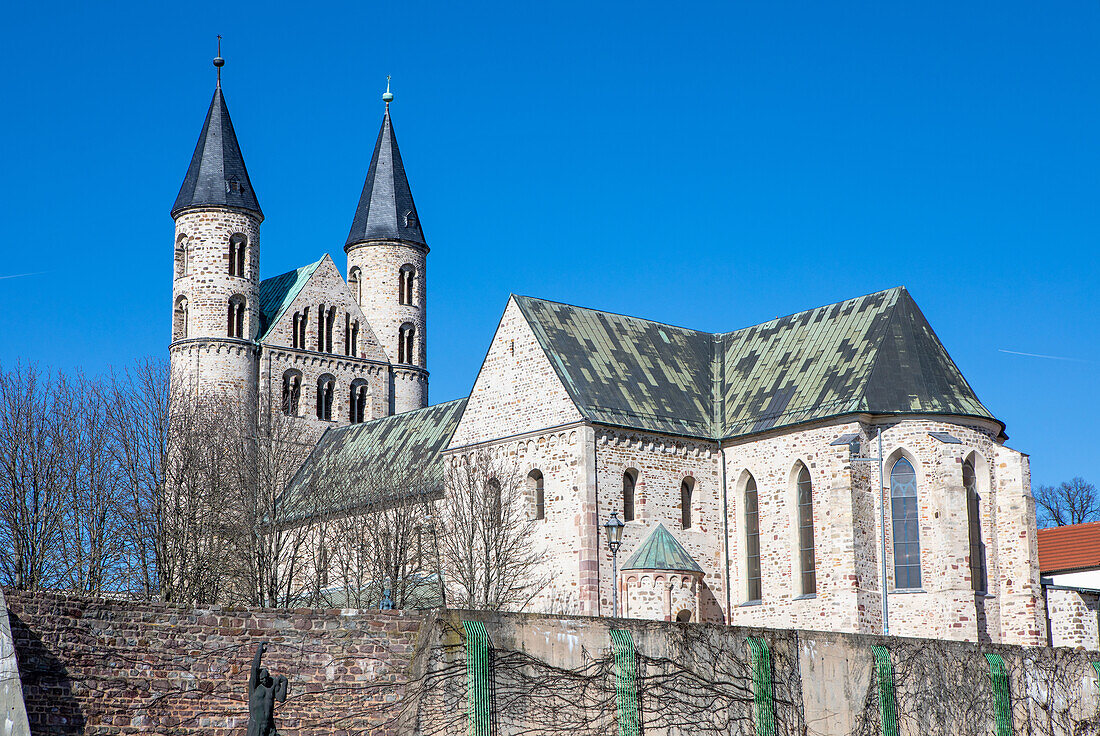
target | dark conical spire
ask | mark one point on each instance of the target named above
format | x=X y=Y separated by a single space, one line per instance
x=386 y=210
x=217 y=176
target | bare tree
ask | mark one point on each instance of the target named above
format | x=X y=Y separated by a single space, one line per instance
x=1072 y=502
x=485 y=535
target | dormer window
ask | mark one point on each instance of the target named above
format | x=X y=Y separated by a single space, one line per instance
x=234 y=186
x=410 y=219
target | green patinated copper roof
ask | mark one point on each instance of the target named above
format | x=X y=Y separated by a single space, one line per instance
x=661 y=551
x=875 y=354
x=278 y=293
x=380 y=460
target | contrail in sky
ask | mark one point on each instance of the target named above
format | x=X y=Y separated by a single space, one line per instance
x=21 y=275
x=1039 y=355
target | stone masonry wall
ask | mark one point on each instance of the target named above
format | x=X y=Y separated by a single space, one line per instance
x=1074 y=618
x=119 y=667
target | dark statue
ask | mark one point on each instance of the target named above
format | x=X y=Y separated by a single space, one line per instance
x=263 y=691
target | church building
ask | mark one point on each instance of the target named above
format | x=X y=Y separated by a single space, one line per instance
x=745 y=465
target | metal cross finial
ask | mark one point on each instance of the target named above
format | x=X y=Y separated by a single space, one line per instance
x=387 y=96
x=219 y=62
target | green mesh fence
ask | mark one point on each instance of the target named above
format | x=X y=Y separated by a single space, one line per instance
x=626 y=684
x=762 y=696
x=1096 y=666
x=1002 y=703
x=887 y=703
x=477 y=679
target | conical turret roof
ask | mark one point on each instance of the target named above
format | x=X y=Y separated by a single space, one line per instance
x=386 y=210
x=661 y=551
x=217 y=176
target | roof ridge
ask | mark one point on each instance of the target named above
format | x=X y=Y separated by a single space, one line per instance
x=799 y=313
x=614 y=314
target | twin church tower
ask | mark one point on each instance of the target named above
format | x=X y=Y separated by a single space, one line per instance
x=307 y=342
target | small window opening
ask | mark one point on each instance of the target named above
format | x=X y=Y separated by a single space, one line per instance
x=630 y=479
x=326 y=386
x=687 y=488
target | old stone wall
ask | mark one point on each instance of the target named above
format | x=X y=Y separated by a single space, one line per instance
x=1074 y=618
x=120 y=667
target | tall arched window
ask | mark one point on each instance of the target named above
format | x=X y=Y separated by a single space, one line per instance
x=321 y=329
x=535 y=485
x=974 y=524
x=407 y=284
x=359 y=396
x=494 y=501
x=903 y=513
x=806 y=560
x=237 y=246
x=354 y=339
x=330 y=323
x=236 y=316
x=406 y=344
x=755 y=588
x=355 y=283
x=630 y=482
x=687 y=487
x=181 y=256
x=326 y=387
x=292 y=391
x=179 y=319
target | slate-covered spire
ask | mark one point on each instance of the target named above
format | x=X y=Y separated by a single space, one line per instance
x=386 y=210
x=217 y=175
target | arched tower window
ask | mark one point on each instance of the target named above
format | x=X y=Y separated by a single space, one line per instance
x=903 y=514
x=292 y=391
x=236 y=316
x=326 y=388
x=407 y=284
x=806 y=559
x=355 y=283
x=974 y=524
x=179 y=319
x=755 y=588
x=406 y=344
x=687 y=489
x=359 y=396
x=237 y=245
x=630 y=483
x=535 y=485
x=181 y=256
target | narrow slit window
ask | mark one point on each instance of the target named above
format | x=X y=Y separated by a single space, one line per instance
x=974 y=523
x=687 y=488
x=630 y=481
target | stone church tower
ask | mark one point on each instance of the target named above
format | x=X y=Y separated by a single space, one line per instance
x=216 y=277
x=387 y=257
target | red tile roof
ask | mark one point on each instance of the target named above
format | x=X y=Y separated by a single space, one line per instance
x=1064 y=548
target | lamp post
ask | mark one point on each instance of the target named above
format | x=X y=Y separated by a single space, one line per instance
x=614 y=528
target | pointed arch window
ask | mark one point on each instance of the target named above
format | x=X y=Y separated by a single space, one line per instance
x=903 y=514
x=407 y=285
x=236 y=317
x=326 y=388
x=179 y=319
x=292 y=392
x=753 y=578
x=359 y=398
x=355 y=283
x=535 y=483
x=630 y=484
x=806 y=559
x=974 y=524
x=406 y=343
x=687 y=489
x=237 y=246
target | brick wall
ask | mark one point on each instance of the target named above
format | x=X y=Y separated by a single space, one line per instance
x=112 y=667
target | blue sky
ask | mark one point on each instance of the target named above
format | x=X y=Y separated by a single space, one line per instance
x=711 y=165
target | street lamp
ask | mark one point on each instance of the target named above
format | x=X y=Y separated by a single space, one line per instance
x=614 y=529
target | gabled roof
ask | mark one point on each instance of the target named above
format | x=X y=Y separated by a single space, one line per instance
x=386 y=210
x=875 y=354
x=661 y=551
x=380 y=460
x=217 y=175
x=1069 y=548
x=279 y=292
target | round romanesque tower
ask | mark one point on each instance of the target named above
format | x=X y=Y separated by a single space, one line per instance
x=216 y=270
x=387 y=259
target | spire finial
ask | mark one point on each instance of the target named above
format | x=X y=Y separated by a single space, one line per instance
x=387 y=96
x=219 y=62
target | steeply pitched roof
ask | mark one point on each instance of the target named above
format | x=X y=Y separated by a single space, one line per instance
x=278 y=293
x=217 y=175
x=386 y=210
x=661 y=551
x=356 y=464
x=1068 y=548
x=874 y=354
